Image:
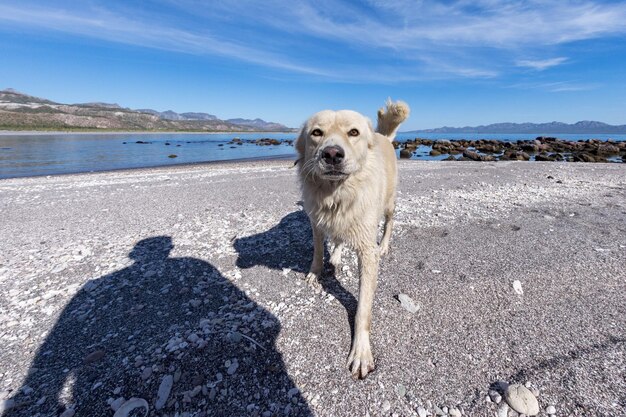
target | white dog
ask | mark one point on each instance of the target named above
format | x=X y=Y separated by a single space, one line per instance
x=348 y=177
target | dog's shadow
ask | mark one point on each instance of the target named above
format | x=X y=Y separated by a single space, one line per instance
x=289 y=244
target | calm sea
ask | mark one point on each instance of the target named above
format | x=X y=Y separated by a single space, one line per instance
x=23 y=155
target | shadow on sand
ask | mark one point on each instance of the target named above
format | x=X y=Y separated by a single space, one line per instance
x=123 y=333
x=289 y=244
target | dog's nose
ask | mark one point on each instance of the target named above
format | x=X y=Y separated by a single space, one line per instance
x=333 y=155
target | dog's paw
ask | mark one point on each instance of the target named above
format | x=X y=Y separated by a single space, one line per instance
x=360 y=361
x=313 y=279
x=383 y=249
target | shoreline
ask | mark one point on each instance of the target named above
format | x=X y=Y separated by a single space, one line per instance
x=233 y=162
x=128 y=132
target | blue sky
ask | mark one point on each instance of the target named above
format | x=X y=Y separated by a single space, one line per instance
x=455 y=62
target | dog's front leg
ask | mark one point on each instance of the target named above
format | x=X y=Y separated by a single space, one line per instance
x=361 y=361
x=317 y=265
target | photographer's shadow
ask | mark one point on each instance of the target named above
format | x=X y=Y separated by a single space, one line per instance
x=289 y=244
x=161 y=318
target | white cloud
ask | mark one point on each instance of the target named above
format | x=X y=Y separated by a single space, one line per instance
x=542 y=64
x=377 y=40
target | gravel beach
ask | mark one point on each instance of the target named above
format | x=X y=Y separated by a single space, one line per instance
x=182 y=288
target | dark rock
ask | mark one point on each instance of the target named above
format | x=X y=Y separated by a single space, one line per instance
x=435 y=152
x=93 y=357
x=172 y=156
x=405 y=153
x=474 y=156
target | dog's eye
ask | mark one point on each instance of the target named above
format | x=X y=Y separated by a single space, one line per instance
x=316 y=132
x=353 y=132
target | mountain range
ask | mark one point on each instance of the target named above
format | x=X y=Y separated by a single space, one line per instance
x=19 y=111
x=582 y=127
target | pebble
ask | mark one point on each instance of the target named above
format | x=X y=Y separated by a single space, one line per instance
x=454 y=412
x=164 y=391
x=495 y=396
x=146 y=373
x=232 y=368
x=521 y=400
x=551 y=409
x=421 y=412
x=292 y=392
x=408 y=303
x=517 y=287
x=117 y=403
x=503 y=410
x=94 y=356
x=386 y=406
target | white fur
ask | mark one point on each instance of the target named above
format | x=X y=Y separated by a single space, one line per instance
x=347 y=208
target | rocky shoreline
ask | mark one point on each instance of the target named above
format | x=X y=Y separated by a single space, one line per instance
x=541 y=149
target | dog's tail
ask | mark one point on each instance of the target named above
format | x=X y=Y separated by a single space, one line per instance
x=389 y=119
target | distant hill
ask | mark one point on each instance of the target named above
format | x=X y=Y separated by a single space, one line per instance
x=585 y=126
x=19 y=111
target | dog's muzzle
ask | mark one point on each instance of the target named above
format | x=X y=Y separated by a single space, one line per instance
x=332 y=160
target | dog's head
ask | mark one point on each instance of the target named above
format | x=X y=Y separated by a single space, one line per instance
x=334 y=144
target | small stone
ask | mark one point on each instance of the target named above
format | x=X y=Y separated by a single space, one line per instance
x=503 y=410
x=495 y=396
x=521 y=400
x=386 y=406
x=444 y=409
x=164 y=391
x=146 y=373
x=93 y=357
x=117 y=403
x=517 y=287
x=408 y=303
x=401 y=390
x=551 y=409
x=232 y=368
x=292 y=392
x=454 y=412
x=438 y=411
x=421 y=412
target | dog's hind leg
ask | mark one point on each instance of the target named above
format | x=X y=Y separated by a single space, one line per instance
x=317 y=264
x=384 y=242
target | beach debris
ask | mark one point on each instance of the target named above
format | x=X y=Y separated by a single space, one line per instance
x=521 y=400
x=164 y=391
x=408 y=303
x=172 y=156
x=130 y=405
x=517 y=287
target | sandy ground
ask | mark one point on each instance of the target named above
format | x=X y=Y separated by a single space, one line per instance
x=184 y=287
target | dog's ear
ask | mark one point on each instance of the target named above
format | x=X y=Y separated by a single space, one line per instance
x=301 y=141
x=370 y=137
